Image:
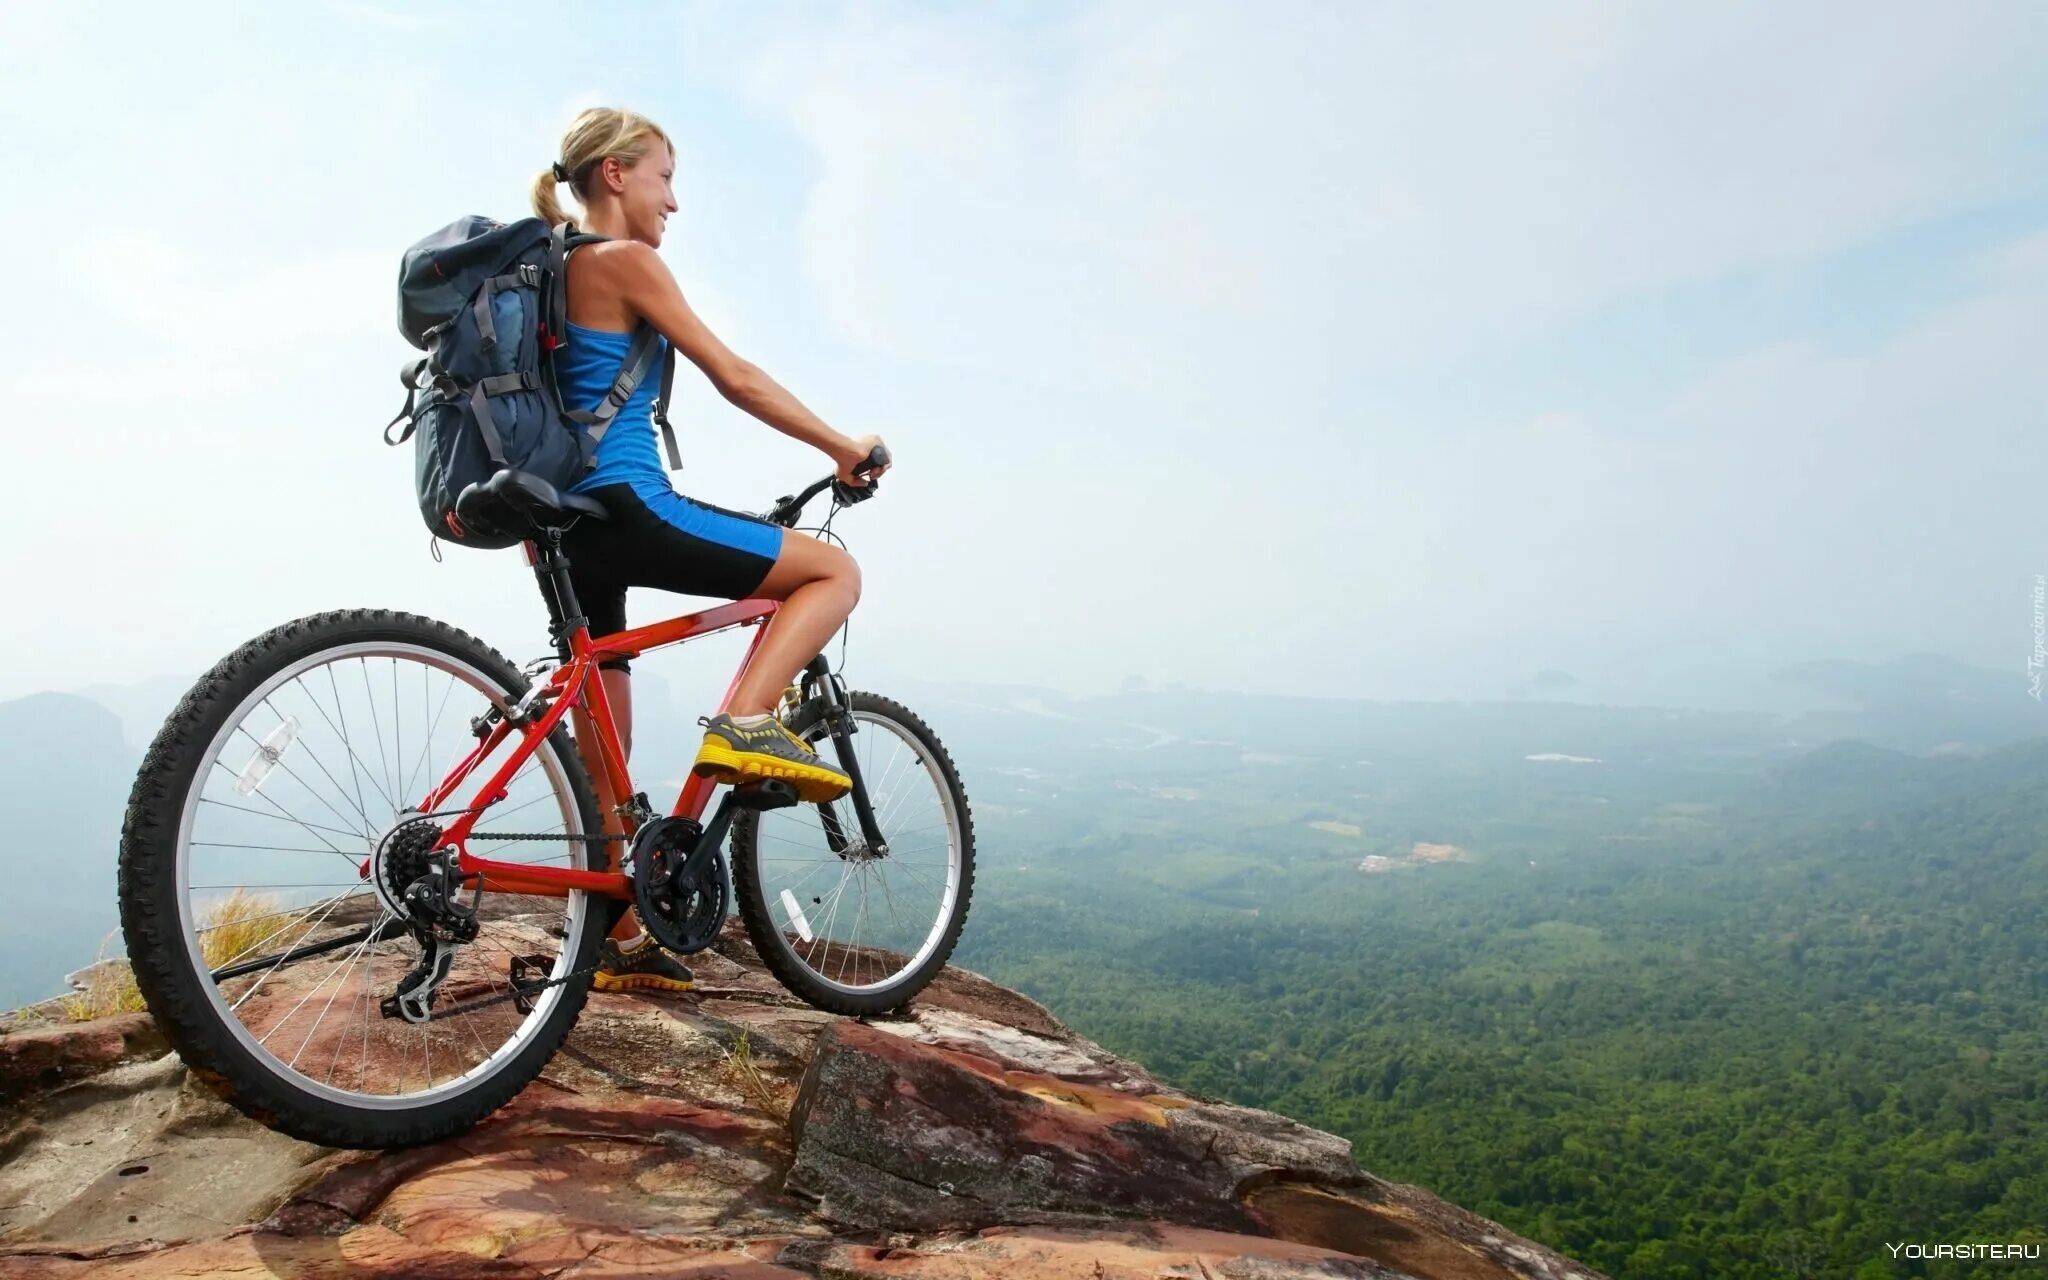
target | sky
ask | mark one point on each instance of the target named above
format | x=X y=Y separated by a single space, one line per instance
x=1392 y=351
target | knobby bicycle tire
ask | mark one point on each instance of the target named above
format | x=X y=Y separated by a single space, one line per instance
x=798 y=977
x=177 y=992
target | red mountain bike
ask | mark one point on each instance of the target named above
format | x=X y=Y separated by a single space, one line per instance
x=364 y=877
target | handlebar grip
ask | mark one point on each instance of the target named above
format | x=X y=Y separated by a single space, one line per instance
x=877 y=457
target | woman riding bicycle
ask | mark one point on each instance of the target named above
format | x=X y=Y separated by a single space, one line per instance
x=360 y=880
x=620 y=167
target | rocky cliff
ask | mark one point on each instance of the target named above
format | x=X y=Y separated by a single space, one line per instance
x=730 y=1132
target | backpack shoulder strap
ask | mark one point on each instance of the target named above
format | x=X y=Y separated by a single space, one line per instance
x=563 y=240
x=632 y=372
x=668 y=387
x=566 y=239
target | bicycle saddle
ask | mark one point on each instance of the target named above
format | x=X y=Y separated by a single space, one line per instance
x=518 y=502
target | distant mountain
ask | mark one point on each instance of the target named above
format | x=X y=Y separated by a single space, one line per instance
x=1922 y=702
x=1876 y=778
x=141 y=705
x=65 y=771
x=1917 y=677
x=1547 y=683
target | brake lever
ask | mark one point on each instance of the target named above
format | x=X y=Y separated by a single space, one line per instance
x=848 y=494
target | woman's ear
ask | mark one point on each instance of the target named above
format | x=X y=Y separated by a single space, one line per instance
x=614 y=174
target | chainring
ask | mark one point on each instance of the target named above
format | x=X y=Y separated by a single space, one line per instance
x=679 y=884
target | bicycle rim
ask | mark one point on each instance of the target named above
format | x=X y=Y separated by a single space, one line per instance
x=863 y=925
x=293 y=793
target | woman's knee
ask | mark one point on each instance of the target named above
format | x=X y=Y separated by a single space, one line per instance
x=805 y=560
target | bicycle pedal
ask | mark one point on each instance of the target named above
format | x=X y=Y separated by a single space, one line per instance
x=529 y=976
x=769 y=793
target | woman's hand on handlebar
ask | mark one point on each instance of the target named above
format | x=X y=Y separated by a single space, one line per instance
x=858 y=453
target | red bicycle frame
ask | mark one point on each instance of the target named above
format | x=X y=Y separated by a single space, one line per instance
x=569 y=686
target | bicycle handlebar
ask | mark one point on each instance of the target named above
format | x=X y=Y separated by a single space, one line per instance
x=790 y=508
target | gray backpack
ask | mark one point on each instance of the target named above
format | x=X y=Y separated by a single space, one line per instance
x=485 y=301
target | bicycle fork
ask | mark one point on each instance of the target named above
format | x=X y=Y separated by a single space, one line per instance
x=830 y=691
x=702 y=842
x=818 y=682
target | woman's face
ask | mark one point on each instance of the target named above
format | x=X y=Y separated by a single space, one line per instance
x=646 y=194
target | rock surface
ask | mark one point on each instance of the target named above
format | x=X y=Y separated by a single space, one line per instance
x=730 y=1132
x=41 y=1058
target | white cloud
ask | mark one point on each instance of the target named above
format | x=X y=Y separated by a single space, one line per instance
x=1160 y=190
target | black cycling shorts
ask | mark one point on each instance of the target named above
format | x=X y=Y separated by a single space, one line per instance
x=659 y=538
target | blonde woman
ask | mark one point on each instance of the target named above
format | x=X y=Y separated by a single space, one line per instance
x=620 y=168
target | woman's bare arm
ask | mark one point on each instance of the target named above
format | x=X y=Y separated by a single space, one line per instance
x=648 y=290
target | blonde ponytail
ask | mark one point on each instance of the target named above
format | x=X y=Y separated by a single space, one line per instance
x=545 y=206
x=596 y=135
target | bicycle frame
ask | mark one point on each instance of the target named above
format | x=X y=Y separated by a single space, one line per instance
x=572 y=684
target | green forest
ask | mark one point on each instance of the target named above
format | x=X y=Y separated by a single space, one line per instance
x=1688 y=1004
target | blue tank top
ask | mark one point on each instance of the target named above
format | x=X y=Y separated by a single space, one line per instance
x=585 y=366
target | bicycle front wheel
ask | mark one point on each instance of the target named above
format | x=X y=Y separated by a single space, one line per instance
x=269 y=936
x=852 y=929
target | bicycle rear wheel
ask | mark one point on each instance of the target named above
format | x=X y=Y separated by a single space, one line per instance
x=849 y=929
x=266 y=939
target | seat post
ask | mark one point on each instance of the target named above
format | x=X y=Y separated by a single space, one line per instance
x=565 y=612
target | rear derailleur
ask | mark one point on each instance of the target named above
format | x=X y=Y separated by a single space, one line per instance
x=439 y=921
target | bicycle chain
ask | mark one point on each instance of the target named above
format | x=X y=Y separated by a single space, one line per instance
x=546 y=835
x=486 y=1002
x=471 y=1006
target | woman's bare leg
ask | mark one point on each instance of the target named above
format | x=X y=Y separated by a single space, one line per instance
x=818 y=584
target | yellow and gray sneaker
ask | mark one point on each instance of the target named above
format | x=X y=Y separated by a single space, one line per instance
x=644 y=966
x=756 y=748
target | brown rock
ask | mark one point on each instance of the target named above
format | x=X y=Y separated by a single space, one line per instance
x=1122 y=1251
x=44 y=1058
x=139 y=1152
x=1409 y=1229
x=913 y=1137
x=974 y=1136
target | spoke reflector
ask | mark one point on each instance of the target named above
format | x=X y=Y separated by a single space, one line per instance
x=274 y=745
x=796 y=916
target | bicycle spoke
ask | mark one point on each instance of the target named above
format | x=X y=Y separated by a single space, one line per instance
x=397 y=733
x=432 y=727
x=258 y=985
x=293 y=775
x=311 y=992
x=856 y=920
x=311 y=1027
x=861 y=875
x=895 y=799
x=289 y=817
x=363 y=667
x=348 y=744
x=272 y=848
x=272 y=817
x=369 y=824
x=280 y=931
x=832 y=916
